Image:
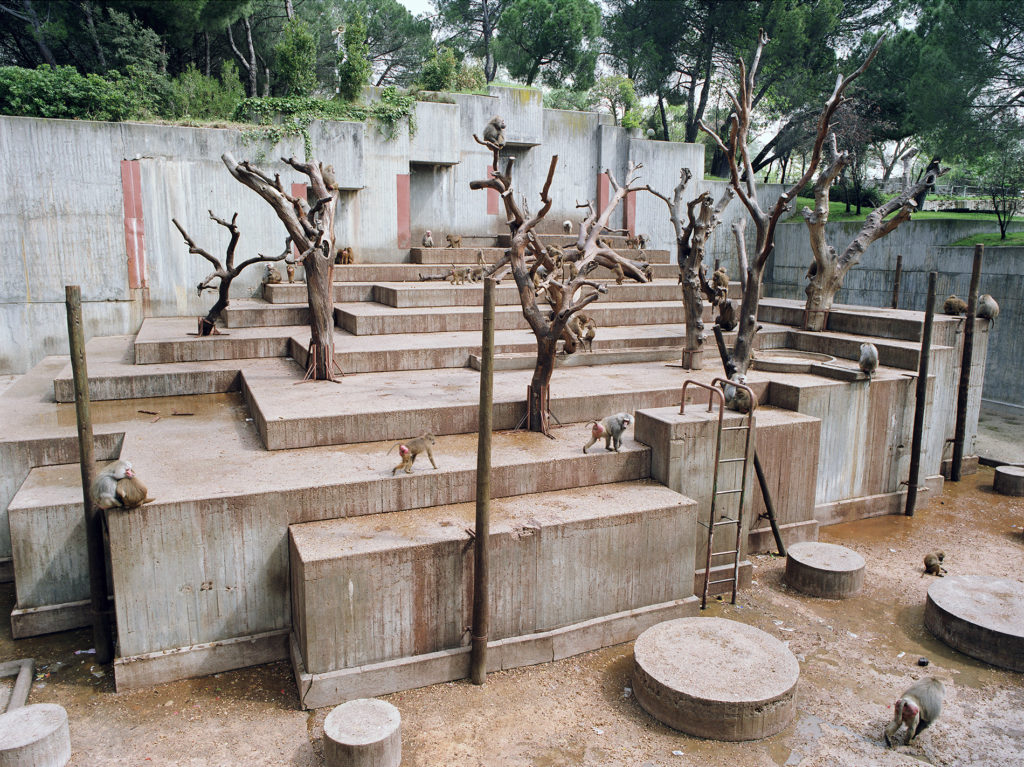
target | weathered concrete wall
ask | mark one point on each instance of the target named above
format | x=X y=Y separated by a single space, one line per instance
x=91 y=203
x=924 y=247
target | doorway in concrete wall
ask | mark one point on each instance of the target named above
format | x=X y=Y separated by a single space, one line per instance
x=432 y=202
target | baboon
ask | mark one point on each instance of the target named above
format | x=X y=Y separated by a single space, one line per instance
x=988 y=309
x=917 y=708
x=428 y=240
x=611 y=429
x=584 y=328
x=737 y=399
x=620 y=276
x=933 y=563
x=408 y=451
x=330 y=180
x=454 y=240
x=726 y=318
x=567 y=226
x=345 y=256
x=290 y=269
x=632 y=243
x=494 y=132
x=272 y=277
x=641 y=240
x=954 y=306
x=720 y=279
x=458 y=274
x=868 y=359
x=131 y=492
x=104 y=488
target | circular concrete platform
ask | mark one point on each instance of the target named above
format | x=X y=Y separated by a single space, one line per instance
x=1009 y=480
x=715 y=678
x=824 y=570
x=363 y=733
x=980 y=616
x=35 y=736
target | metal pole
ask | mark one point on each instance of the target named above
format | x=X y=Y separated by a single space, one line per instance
x=965 y=368
x=481 y=618
x=896 y=282
x=101 y=635
x=921 y=397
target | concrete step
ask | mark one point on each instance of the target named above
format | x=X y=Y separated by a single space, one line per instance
x=381 y=406
x=51 y=569
x=406 y=295
x=897 y=324
x=572 y=571
x=344 y=292
x=527 y=360
x=374 y=319
x=173 y=339
x=617 y=241
x=435 y=256
x=257 y=313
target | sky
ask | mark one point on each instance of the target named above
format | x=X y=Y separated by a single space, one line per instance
x=418 y=7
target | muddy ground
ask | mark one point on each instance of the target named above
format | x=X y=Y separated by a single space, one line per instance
x=856 y=656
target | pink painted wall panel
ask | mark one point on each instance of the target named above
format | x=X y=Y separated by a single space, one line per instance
x=134 y=230
x=404 y=238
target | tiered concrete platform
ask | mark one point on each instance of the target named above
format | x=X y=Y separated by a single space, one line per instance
x=715 y=678
x=980 y=616
x=246 y=462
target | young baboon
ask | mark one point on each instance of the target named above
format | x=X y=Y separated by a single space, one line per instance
x=454 y=240
x=408 y=451
x=290 y=270
x=632 y=243
x=737 y=399
x=917 y=708
x=494 y=132
x=345 y=256
x=988 y=309
x=726 y=318
x=720 y=278
x=584 y=328
x=458 y=274
x=954 y=306
x=641 y=240
x=131 y=492
x=272 y=276
x=428 y=240
x=933 y=563
x=611 y=429
x=104 y=488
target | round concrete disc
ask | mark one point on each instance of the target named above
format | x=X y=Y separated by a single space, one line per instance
x=363 y=733
x=980 y=616
x=715 y=678
x=1009 y=480
x=35 y=736
x=824 y=569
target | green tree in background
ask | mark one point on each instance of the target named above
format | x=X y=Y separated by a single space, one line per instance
x=295 y=56
x=552 y=39
x=354 y=66
x=470 y=26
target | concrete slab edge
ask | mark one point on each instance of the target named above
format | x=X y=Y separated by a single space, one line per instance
x=334 y=687
x=23 y=670
x=46 y=619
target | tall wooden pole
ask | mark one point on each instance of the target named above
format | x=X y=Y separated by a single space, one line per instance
x=921 y=397
x=481 y=617
x=965 y=368
x=101 y=635
x=896 y=282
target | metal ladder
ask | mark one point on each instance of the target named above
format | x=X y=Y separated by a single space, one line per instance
x=713 y=523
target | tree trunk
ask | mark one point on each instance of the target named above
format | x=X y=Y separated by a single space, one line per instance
x=223 y=290
x=693 y=308
x=664 y=117
x=821 y=292
x=540 y=385
x=87 y=10
x=319 y=292
x=743 y=352
x=37 y=33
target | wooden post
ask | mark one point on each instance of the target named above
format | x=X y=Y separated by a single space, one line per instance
x=478 y=652
x=921 y=396
x=101 y=635
x=896 y=282
x=965 y=368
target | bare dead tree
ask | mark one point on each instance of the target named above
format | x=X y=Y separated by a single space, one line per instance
x=743 y=181
x=829 y=268
x=535 y=274
x=691 y=239
x=311 y=229
x=225 y=272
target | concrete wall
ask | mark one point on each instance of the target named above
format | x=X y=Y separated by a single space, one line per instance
x=91 y=203
x=924 y=246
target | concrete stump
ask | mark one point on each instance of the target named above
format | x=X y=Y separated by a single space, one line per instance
x=363 y=733
x=715 y=678
x=35 y=736
x=824 y=570
x=980 y=616
x=1009 y=480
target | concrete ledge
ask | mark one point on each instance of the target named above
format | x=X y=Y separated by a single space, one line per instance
x=295 y=293
x=168 y=340
x=33 y=621
x=527 y=360
x=331 y=688
x=762 y=539
x=251 y=313
x=427 y=294
x=467 y=255
x=873 y=505
x=137 y=671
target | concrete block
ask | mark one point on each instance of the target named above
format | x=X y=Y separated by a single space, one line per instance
x=363 y=733
x=824 y=570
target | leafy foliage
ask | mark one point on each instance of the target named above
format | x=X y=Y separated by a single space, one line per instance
x=63 y=92
x=295 y=55
x=353 y=61
x=194 y=95
x=552 y=39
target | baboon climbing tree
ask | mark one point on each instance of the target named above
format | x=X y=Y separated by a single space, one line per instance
x=311 y=228
x=533 y=268
x=691 y=238
x=743 y=181
x=225 y=272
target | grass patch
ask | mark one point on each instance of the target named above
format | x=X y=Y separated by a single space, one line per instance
x=991 y=239
x=837 y=212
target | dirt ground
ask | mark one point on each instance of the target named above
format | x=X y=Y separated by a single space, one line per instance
x=856 y=656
